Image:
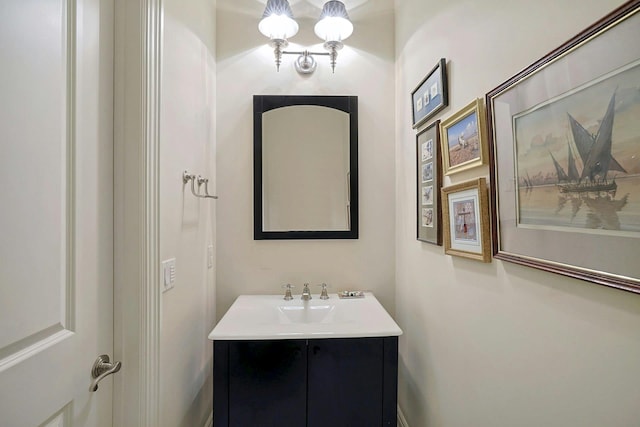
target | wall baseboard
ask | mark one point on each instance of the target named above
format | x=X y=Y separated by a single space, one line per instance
x=209 y=422
x=402 y=421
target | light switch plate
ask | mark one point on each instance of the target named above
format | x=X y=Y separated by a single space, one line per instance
x=168 y=274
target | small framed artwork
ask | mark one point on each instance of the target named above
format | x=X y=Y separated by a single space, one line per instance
x=429 y=181
x=463 y=138
x=565 y=157
x=431 y=95
x=465 y=218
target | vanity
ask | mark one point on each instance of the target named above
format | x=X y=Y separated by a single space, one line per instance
x=300 y=362
x=313 y=363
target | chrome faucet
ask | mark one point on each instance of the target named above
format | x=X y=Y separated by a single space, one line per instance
x=324 y=294
x=306 y=293
x=287 y=293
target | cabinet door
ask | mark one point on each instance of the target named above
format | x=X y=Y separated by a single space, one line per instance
x=267 y=383
x=345 y=382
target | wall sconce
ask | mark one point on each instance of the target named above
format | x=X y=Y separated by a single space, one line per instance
x=333 y=27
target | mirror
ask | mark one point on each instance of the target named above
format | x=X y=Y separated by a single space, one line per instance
x=305 y=167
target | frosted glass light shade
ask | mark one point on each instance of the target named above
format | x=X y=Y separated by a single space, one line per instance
x=334 y=23
x=277 y=20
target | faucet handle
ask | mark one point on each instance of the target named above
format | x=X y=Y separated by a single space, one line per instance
x=287 y=293
x=306 y=293
x=324 y=294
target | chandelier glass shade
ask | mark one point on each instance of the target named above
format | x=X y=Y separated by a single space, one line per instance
x=333 y=27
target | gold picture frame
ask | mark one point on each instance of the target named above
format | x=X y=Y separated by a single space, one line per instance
x=463 y=138
x=465 y=218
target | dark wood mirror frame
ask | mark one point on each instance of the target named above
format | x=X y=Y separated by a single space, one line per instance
x=264 y=103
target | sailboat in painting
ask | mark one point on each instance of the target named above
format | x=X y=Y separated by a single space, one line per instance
x=595 y=152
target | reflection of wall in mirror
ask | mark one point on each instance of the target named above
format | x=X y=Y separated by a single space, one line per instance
x=305 y=160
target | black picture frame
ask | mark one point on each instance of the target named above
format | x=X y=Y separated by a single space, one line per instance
x=428 y=185
x=431 y=95
x=550 y=209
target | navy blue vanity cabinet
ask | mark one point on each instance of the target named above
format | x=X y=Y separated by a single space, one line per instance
x=260 y=383
x=352 y=382
x=345 y=382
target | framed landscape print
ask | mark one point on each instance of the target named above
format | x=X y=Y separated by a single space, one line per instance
x=565 y=157
x=463 y=139
x=431 y=95
x=465 y=218
x=429 y=181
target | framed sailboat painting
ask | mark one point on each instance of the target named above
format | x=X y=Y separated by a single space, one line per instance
x=565 y=157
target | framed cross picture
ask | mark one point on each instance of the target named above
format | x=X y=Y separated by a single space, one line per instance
x=466 y=220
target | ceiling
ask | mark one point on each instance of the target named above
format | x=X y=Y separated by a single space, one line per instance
x=303 y=8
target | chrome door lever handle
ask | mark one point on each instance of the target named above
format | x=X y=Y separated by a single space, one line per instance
x=102 y=368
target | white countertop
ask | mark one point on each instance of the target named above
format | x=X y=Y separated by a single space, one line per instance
x=262 y=317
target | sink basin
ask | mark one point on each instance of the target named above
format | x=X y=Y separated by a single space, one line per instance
x=306 y=314
x=254 y=317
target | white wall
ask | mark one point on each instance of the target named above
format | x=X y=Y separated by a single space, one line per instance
x=499 y=344
x=246 y=67
x=187 y=224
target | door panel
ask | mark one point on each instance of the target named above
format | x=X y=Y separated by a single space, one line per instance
x=56 y=221
x=267 y=383
x=345 y=382
x=35 y=151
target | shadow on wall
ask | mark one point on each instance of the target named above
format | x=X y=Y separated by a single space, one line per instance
x=410 y=394
x=201 y=403
x=592 y=294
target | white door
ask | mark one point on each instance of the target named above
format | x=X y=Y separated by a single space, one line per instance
x=56 y=210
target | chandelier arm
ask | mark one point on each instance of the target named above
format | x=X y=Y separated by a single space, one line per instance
x=285 y=52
